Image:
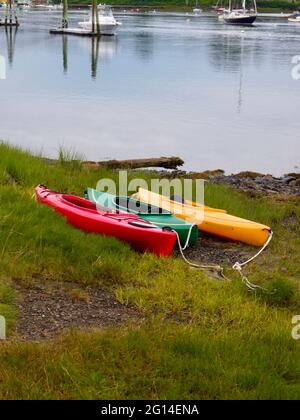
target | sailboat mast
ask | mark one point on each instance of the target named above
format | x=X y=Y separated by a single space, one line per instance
x=255 y=6
x=229 y=5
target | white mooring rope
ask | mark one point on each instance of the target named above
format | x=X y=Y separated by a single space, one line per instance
x=214 y=267
x=237 y=266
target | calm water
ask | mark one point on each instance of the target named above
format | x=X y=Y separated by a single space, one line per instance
x=218 y=96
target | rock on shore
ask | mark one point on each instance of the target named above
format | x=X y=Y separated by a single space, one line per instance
x=287 y=185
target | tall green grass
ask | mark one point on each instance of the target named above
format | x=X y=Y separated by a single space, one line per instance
x=157 y=361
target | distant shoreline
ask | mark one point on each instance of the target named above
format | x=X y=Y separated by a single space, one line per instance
x=264 y=6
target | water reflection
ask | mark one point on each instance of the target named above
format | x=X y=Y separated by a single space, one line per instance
x=240 y=93
x=11 y=34
x=144 y=45
x=65 y=52
x=208 y=93
x=225 y=54
x=233 y=55
x=94 y=56
x=101 y=50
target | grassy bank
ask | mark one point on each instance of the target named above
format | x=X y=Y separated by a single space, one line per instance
x=277 y=5
x=202 y=338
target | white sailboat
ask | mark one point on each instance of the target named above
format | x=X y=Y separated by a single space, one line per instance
x=197 y=10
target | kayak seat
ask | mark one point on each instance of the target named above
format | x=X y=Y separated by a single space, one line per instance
x=138 y=207
x=79 y=202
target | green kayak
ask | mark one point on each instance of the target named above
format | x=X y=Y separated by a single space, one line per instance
x=153 y=214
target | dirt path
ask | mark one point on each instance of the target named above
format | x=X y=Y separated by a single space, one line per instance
x=46 y=309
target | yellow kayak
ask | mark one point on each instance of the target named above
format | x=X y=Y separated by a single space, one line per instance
x=213 y=221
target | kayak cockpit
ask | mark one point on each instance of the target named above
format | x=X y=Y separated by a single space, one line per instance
x=79 y=202
x=131 y=205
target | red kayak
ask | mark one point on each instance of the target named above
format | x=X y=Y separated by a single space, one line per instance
x=83 y=214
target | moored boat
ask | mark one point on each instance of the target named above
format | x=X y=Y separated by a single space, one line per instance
x=211 y=221
x=107 y=22
x=219 y=7
x=187 y=232
x=196 y=9
x=295 y=18
x=241 y=16
x=237 y=17
x=84 y=215
x=24 y=5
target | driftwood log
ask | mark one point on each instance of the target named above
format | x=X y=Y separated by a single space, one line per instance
x=162 y=162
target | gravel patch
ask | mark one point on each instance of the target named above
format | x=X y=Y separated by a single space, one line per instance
x=210 y=250
x=45 y=310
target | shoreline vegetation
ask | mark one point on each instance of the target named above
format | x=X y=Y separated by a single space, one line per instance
x=181 y=5
x=164 y=331
x=287 y=185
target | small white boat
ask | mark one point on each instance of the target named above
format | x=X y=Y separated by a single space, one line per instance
x=108 y=23
x=49 y=6
x=197 y=10
x=295 y=18
x=24 y=5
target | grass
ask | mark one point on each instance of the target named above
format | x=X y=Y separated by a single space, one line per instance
x=188 y=5
x=203 y=338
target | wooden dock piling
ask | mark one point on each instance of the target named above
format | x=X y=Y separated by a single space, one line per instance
x=11 y=18
x=65 y=22
x=65 y=30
